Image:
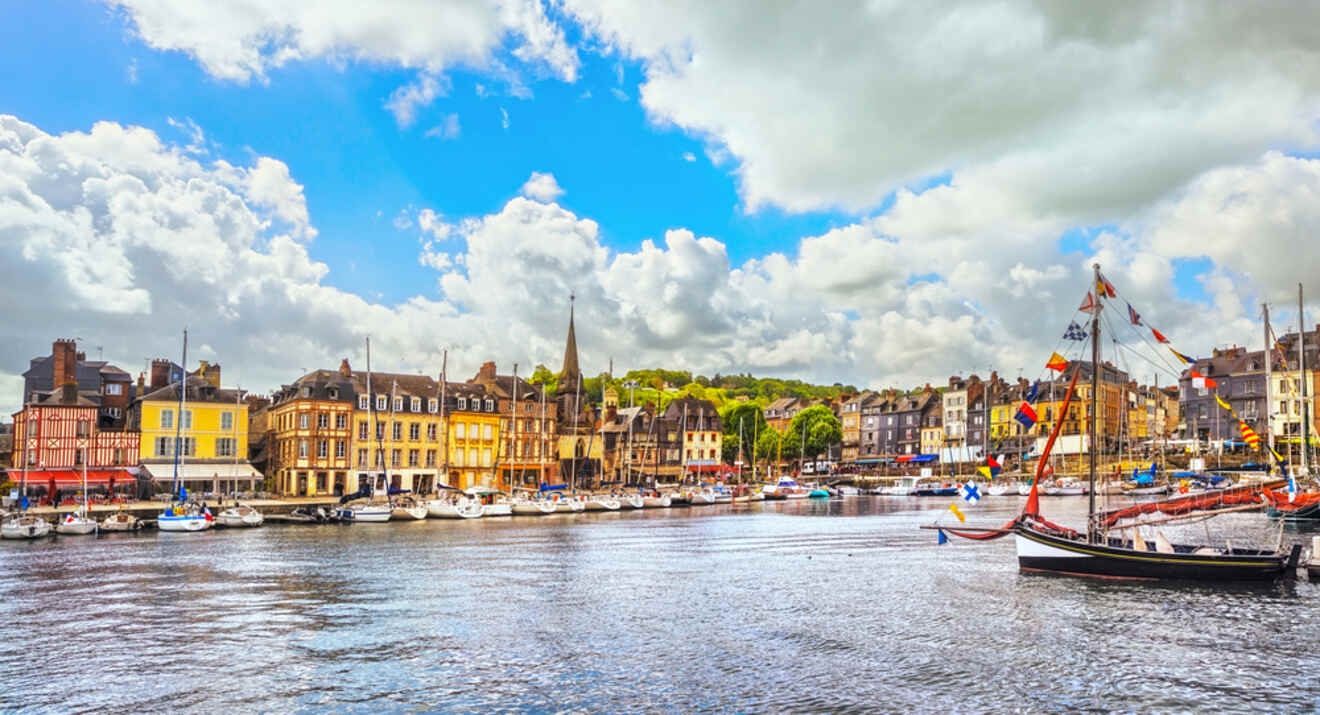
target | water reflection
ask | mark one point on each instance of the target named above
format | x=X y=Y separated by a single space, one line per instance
x=840 y=605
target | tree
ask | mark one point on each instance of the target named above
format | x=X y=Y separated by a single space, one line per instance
x=768 y=445
x=749 y=415
x=821 y=427
x=542 y=375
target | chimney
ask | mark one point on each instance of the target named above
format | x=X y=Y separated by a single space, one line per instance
x=210 y=373
x=81 y=356
x=160 y=373
x=142 y=382
x=69 y=393
x=64 y=354
x=345 y=369
x=487 y=370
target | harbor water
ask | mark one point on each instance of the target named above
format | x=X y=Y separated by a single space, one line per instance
x=805 y=606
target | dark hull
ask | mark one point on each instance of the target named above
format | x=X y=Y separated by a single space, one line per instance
x=1039 y=551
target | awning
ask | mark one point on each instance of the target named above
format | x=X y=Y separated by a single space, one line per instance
x=72 y=478
x=203 y=472
x=918 y=458
x=867 y=461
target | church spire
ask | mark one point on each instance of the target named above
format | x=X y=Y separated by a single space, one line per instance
x=570 y=373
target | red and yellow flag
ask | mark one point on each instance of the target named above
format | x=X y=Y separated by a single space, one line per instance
x=1057 y=362
x=1249 y=435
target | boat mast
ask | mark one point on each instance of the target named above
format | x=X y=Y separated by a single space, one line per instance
x=22 y=480
x=371 y=418
x=1095 y=411
x=178 y=426
x=540 y=447
x=1301 y=377
x=389 y=450
x=513 y=428
x=1269 y=379
x=985 y=425
x=444 y=422
x=740 y=447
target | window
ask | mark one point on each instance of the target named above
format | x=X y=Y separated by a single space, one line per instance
x=431 y=432
x=164 y=446
x=226 y=420
x=486 y=433
x=119 y=455
x=412 y=458
x=490 y=405
x=362 y=429
x=302 y=421
x=460 y=430
x=398 y=404
x=307 y=392
x=458 y=458
x=430 y=457
x=433 y=405
x=416 y=404
x=82 y=428
x=322 y=449
x=415 y=431
x=380 y=403
x=322 y=420
x=380 y=431
x=462 y=403
x=341 y=421
x=224 y=447
x=485 y=457
x=394 y=458
x=363 y=402
x=167 y=419
x=362 y=458
x=397 y=432
x=302 y=449
x=334 y=393
x=114 y=388
x=341 y=449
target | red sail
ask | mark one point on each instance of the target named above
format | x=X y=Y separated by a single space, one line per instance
x=1033 y=501
x=1208 y=501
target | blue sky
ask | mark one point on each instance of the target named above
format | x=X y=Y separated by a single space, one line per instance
x=72 y=63
x=901 y=192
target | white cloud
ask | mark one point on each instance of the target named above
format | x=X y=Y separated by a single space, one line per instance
x=504 y=118
x=1058 y=104
x=689 y=156
x=446 y=129
x=619 y=94
x=542 y=187
x=404 y=102
x=240 y=41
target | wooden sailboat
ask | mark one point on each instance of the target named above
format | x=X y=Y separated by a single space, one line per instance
x=1108 y=549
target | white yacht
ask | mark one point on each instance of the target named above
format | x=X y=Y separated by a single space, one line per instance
x=24 y=526
x=240 y=515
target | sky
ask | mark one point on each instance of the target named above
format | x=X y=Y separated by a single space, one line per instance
x=878 y=193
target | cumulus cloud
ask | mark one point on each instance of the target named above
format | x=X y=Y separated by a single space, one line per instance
x=542 y=187
x=448 y=128
x=1075 y=108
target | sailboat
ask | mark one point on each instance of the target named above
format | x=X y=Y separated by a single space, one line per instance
x=1110 y=550
x=369 y=512
x=78 y=522
x=182 y=514
x=121 y=521
x=239 y=515
x=20 y=525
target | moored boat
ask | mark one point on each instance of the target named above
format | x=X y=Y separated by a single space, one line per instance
x=25 y=526
x=240 y=515
x=598 y=502
x=76 y=524
x=403 y=507
x=121 y=521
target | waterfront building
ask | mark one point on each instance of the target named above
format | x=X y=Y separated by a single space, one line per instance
x=473 y=419
x=954 y=404
x=779 y=414
x=310 y=427
x=528 y=452
x=407 y=442
x=872 y=416
x=910 y=412
x=701 y=434
x=932 y=428
x=104 y=385
x=850 y=421
x=580 y=448
x=60 y=431
x=1239 y=378
x=214 y=425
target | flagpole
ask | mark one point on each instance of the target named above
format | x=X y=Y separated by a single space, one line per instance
x=1301 y=374
x=1095 y=413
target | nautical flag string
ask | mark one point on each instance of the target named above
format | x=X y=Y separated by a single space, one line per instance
x=1057 y=362
x=1159 y=336
x=1200 y=381
x=1186 y=360
x=1090 y=305
x=970 y=494
x=1105 y=288
x=1074 y=332
x=1032 y=392
x=1133 y=315
x=1249 y=435
x=957 y=512
x=942 y=538
x=1026 y=415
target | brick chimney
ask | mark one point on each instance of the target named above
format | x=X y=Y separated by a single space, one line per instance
x=160 y=373
x=345 y=369
x=64 y=353
x=487 y=371
x=142 y=382
x=210 y=373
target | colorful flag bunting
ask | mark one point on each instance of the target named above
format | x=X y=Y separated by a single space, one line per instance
x=993 y=464
x=1032 y=392
x=1223 y=404
x=1133 y=315
x=1105 y=288
x=942 y=538
x=1159 y=336
x=1185 y=359
x=1249 y=435
x=1090 y=305
x=1200 y=381
x=1057 y=363
x=970 y=492
x=1074 y=332
x=1026 y=416
x=957 y=512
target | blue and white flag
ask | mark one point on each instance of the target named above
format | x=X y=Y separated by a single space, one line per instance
x=1074 y=332
x=942 y=538
x=1292 y=489
x=1032 y=393
x=970 y=493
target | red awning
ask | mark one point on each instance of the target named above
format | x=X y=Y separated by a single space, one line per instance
x=711 y=468
x=72 y=478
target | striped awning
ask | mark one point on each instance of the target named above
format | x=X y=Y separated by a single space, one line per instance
x=203 y=472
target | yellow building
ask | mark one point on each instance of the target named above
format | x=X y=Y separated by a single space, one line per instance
x=474 y=436
x=309 y=427
x=214 y=429
x=406 y=447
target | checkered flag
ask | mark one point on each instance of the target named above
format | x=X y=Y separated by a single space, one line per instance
x=1074 y=332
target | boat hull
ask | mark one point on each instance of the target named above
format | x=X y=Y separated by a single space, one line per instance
x=25 y=528
x=408 y=513
x=183 y=523
x=631 y=502
x=656 y=502
x=602 y=505
x=1050 y=553
x=366 y=514
x=533 y=508
x=120 y=522
x=75 y=526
